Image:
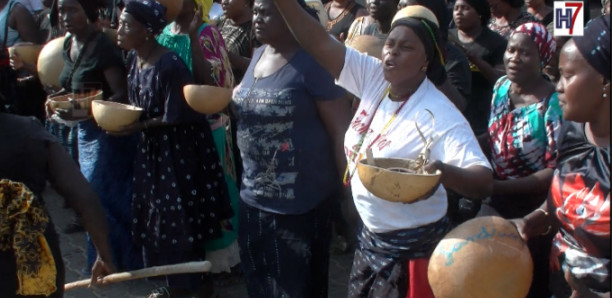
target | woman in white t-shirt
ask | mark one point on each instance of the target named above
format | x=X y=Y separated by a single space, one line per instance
x=397 y=238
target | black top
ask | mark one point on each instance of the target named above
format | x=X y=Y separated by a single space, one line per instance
x=490 y=46
x=342 y=23
x=99 y=56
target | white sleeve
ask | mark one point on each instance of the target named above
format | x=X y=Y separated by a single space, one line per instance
x=360 y=73
x=459 y=147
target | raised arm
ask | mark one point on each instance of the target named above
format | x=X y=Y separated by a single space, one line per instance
x=313 y=37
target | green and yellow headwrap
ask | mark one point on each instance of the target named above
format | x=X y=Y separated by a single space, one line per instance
x=205 y=5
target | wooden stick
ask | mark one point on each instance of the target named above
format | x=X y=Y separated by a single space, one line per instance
x=189 y=267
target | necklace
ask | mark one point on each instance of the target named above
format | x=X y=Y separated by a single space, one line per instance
x=331 y=23
x=355 y=155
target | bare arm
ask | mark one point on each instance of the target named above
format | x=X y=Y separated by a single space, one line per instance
x=67 y=179
x=22 y=21
x=312 y=37
x=117 y=80
x=473 y=182
x=536 y=183
x=336 y=116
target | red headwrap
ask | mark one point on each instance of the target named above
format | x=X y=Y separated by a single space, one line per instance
x=541 y=37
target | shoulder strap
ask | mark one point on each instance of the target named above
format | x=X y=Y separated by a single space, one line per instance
x=77 y=62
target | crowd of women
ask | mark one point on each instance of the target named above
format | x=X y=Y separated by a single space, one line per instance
x=522 y=131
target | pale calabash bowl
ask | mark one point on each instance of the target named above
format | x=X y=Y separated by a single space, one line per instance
x=207 y=99
x=391 y=179
x=111 y=116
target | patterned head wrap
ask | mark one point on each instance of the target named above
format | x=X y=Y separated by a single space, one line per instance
x=149 y=13
x=205 y=5
x=595 y=44
x=542 y=39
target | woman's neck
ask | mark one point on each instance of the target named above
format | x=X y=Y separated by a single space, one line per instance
x=245 y=16
x=403 y=91
x=146 y=50
x=82 y=35
x=537 y=86
x=598 y=132
x=283 y=47
x=384 y=25
x=470 y=33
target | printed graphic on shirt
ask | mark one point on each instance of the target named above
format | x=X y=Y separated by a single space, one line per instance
x=270 y=169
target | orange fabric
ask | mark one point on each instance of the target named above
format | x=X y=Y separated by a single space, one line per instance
x=418 y=284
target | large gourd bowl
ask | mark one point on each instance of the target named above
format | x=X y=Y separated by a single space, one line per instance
x=71 y=101
x=483 y=257
x=111 y=116
x=394 y=179
x=207 y=99
x=50 y=62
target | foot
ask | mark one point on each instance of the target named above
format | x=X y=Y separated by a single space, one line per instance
x=167 y=292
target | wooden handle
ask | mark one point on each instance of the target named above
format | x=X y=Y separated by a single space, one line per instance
x=189 y=267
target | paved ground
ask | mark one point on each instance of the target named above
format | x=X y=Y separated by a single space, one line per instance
x=73 y=250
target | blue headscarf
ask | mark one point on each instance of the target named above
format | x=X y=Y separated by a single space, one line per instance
x=594 y=45
x=149 y=13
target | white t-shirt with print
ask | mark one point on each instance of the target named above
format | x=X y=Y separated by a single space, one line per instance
x=454 y=143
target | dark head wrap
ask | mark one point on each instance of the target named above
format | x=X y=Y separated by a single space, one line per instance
x=515 y=3
x=542 y=39
x=424 y=23
x=594 y=45
x=483 y=9
x=149 y=13
x=91 y=8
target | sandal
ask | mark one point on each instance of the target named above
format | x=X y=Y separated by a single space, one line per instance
x=166 y=292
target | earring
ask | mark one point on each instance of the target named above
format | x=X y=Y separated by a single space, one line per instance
x=424 y=69
x=147 y=38
x=604 y=93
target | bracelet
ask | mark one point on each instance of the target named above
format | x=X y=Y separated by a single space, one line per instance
x=549 y=226
x=543 y=211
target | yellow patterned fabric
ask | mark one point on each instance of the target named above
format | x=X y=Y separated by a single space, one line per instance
x=22 y=223
x=205 y=5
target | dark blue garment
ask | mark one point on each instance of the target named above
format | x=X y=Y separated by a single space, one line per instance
x=285 y=255
x=107 y=163
x=179 y=191
x=286 y=151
